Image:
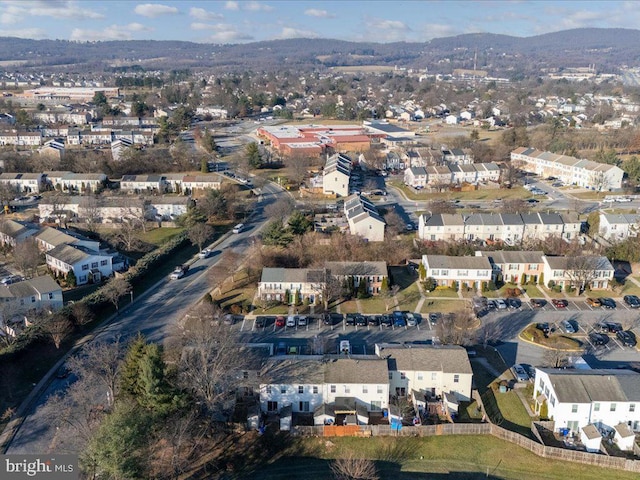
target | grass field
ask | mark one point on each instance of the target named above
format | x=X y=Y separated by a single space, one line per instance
x=443 y=306
x=481 y=194
x=441 y=457
x=159 y=236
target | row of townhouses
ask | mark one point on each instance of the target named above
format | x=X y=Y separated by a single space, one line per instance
x=354 y=390
x=570 y=170
x=518 y=267
x=616 y=227
x=65 y=251
x=432 y=176
x=336 y=175
x=75 y=136
x=285 y=284
x=510 y=228
x=363 y=218
x=92 y=182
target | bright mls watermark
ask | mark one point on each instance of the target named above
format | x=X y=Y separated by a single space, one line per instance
x=51 y=467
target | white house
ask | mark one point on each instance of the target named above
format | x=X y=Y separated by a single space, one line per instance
x=12 y=232
x=575 y=398
x=88 y=266
x=580 y=272
x=364 y=219
x=416 y=177
x=441 y=227
x=516 y=266
x=429 y=370
x=277 y=283
x=143 y=183
x=23 y=182
x=49 y=238
x=618 y=227
x=82 y=182
x=470 y=272
x=193 y=183
x=451 y=120
x=336 y=175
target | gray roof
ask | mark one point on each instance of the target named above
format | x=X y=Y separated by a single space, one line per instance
x=143 y=178
x=55 y=237
x=387 y=127
x=507 y=256
x=70 y=254
x=44 y=284
x=293 y=275
x=586 y=386
x=622 y=218
x=348 y=370
x=441 y=219
x=427 y=358
x=445 y=261
x=357 y=268
x=591 y=431
x=292 y=371
x=585 y=262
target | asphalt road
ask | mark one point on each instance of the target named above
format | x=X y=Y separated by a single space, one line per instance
x=153 y=315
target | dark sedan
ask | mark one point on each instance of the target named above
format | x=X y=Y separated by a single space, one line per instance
x=608 y=303
x=598 y=339
x=627 y=338
x=632 y=300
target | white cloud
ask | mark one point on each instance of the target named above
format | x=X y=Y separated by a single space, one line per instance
x=256 y=7
x=289 y=32
x=18 y=11
x=202 y=14
x=153 y=10
x=36 y=33
x=381 y=30
x=113 y=32
x=314 y=12
x=201 y=26
x=231 y=5
x=439 y=30
x=389 y=25
x=227 y=33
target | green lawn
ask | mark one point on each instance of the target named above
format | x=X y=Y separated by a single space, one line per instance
x=444 y=306
x=158 y=236
x=481 y=194
x=409 y=297
x=349 y=306
x=533 y=291
x=630 y=288
x=374 y=305
x=444 y=292
x=438 y=457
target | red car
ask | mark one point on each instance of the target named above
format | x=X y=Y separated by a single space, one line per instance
x=280 y=321
x=560 y=303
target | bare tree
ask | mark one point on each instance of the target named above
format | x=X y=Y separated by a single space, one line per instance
x=457 y=328
x=27 y=256
x=81 y=313
x=555 y=358
x=116 y=289
x=90 y=211
x=57 y=327
x=389 y=296
x=514 y=205
x=199 y=234
x=354 y=468
x=582 y=270
x=58 y=201
x=280 y=209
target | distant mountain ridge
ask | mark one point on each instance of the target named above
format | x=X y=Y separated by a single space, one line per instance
x=607 y=48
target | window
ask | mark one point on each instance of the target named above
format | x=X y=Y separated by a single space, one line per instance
x=347 y=389
x=268 y=389
x=390 y=375
x=94 y=264
x=300 y=388
x=456 y=379
x=403 y=376
x=103 y=262
x=632 y=407
x=379 y=390
x=574 y=408
x=283 y=389
x=51 y=296
x=444 y=272
x=435 y=272
x=272 y=406
x=376 y=406
x=434 y=376
x=33 y=299
x=82 y=279
x=245 y=375
x=315 y=389
x=85 y=266
x=365 y=389
x=596 y=407
x=304 y=406
x=612 y=408
x=333 y=389
x=420 y=376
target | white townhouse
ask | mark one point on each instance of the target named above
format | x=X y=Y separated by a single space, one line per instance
x=336 y=175
x=470 y=272
x=464 y=173
x=373 y=273
x=457 y=156
x=441 y=227
x=516 y=267
x=575 y=398
x=540 y=226
x=28 y=139
x=416 y=177
x=88 y=266
x=329 y=386
x=34 y=294
x=49 y=238
x=364 y=219
x=23 y=182
x=167 y=208
x=501 y=227
x=487 y=172
x=193 y=183
x=143 y=183
x=571 y=170
x=82 y=182
x=283 y=284
x=618 y=227
x=438 y=175
x=581 y=272
x=12 y=232
x=427 y=370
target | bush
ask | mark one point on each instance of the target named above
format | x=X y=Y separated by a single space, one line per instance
x=557 y=288
x=430 y=284
x=551 y=284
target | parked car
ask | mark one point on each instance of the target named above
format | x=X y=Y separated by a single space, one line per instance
x=374 y=320
x=560 y=303
x=598 y=339
x=302 y=321
x=435 y=317
x=206 y=253
x=412 y=321
x=291 y=321
x=491 y=304
x=520 y=373
x=398 y=319
x=280 y=321
x=350 y=319
x=627 y=338
x=544 y=327
x=500 y=304
x=361 y=321
x=386 y=321
x=479 y=302
x=608 y=327
x=594 y=302
x=11 y=279
x=332 y=318
x=261 y=321
x=179 y=272
x=568 y=327
x=514 y=302
x=632 y=300
x=608 y=303
x=538 y=302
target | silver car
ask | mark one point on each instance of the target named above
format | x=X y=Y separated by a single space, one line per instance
x=520 y=373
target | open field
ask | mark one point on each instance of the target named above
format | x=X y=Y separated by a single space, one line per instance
x=481 y=194
x=441 y=457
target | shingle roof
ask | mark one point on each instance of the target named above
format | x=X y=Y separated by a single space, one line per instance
x=293 y=275
x=292 y=371
x=70 y=254
x=507 y=256
x=585 y=262
x=586 y=386
x=347 y=370
x=357 y=268
x=428 y=358
x=444 y=261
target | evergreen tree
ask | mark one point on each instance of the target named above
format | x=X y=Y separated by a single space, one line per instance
x=131 y=367
x=363 y=291
x=71 y=279
x=298 y=223
x=253 y=155
x=276 y=234
x=384 y=286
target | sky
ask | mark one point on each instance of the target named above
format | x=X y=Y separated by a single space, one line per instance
x=222 y=21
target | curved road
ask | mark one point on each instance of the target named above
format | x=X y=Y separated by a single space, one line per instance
x=152 y=315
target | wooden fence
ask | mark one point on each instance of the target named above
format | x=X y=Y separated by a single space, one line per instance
x=539 y=449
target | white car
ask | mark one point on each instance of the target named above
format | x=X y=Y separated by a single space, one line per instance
x=520 y=373
x=206 y=253
x=500 y=304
